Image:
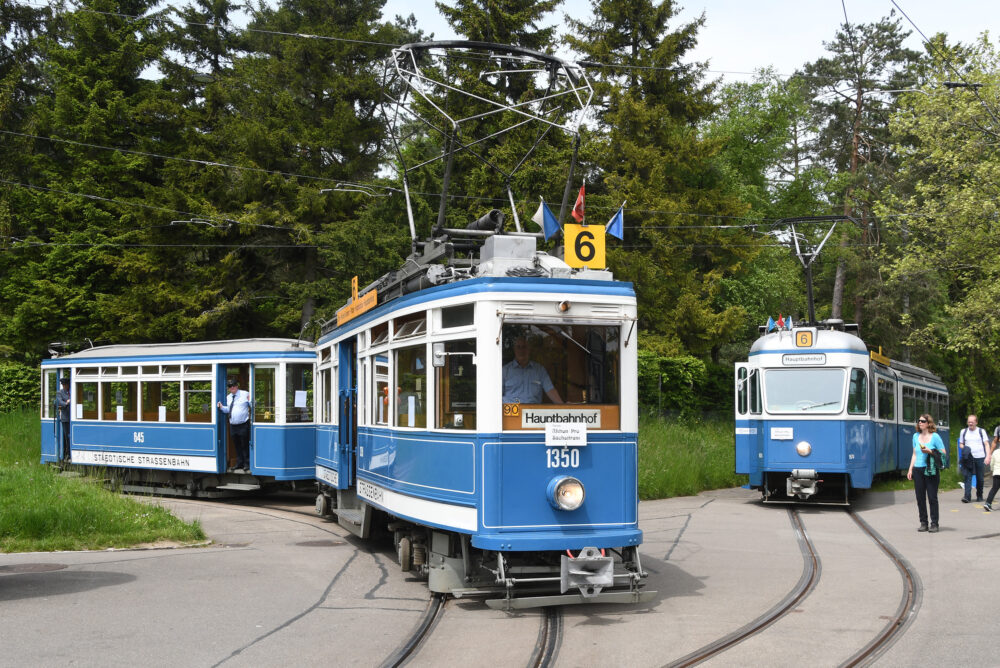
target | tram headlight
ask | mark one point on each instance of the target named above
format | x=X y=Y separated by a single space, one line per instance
x=803 y=448
x=565 y=493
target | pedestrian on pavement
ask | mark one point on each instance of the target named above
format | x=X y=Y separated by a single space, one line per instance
x=994 y=464
x=973 y=446
x=925 y=470
x=238 y=408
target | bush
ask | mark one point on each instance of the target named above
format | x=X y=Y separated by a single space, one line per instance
x=19 y=386
x=673 y=384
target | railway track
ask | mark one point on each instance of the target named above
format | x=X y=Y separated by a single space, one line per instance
x=549 y=639
x=811 y=570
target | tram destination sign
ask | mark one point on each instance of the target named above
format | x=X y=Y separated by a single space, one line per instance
x=803 y=359
x=538 y=418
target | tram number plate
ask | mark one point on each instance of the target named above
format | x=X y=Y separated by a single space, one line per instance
x=368 y=491
x=562 y=458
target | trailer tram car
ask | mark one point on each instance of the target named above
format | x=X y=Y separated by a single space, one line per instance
x=524 y=494
x=818 y=415
x=150 y=410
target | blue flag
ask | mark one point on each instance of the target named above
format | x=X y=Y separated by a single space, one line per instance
x=546 y=220
x=616 y=226
x=770 y=323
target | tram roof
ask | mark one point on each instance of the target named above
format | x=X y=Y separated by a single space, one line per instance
x=199 y=349
x=827 y=340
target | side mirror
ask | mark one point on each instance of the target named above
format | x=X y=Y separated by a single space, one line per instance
x=438 y=355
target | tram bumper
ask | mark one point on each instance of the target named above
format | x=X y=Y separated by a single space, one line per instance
x=802 y=483
x=590 y=572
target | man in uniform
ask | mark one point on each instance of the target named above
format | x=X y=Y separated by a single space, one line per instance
x=238 y=408
x=525 y=381
x=63 y=406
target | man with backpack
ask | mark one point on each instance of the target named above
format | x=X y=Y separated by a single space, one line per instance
x=973 y=446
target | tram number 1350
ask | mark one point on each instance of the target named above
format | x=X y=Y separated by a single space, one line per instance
x=562 y=458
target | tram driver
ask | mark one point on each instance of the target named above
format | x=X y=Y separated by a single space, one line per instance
x=524 y=381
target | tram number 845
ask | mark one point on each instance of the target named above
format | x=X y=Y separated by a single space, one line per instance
x=562 y=458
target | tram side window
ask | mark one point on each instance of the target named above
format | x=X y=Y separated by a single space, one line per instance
x=886 y=399
x=458 y=316
x=121 y=394
x=909 y=405
x=411 y=386
x=921 y=402
x=944 y=411
x=324 y=389
x=456 y=386
x=50 y=388
x=857 y=393
x=263 y=394
x=86 y=401
x=298 y=393
x=742 y=390
x=380 y=400
x=755 y=403
x=161 y=401
x=198 y=401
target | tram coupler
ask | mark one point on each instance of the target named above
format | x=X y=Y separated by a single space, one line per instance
x=802 y=483
x=589 y=572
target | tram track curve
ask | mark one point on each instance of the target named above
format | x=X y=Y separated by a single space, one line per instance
x=811 y=568
x=550 y=637
x=425 y=625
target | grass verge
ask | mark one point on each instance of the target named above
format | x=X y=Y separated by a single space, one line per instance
x=684 y=457
x=41 y=510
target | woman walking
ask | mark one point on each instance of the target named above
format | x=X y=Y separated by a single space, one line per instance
x=925 y=470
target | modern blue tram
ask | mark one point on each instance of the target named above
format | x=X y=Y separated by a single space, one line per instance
x=818 y=415
x=150 y=411
x=487 y=416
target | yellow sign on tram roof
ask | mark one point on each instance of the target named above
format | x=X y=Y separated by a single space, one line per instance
x=357 y=305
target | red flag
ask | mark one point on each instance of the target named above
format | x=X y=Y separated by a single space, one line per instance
x=781 y=321
x=578 y=207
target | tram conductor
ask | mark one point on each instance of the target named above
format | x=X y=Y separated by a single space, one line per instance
x=525 y=381
x=238 y=408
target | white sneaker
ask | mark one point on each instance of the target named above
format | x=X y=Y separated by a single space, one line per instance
x=962 y=485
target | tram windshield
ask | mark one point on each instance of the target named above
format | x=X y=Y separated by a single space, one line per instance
x=560 y=363
x=804 y=390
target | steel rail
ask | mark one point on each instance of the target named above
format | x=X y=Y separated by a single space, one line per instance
x=549 y=639
x=807 y=582
x=423 y=629
x=908 y=605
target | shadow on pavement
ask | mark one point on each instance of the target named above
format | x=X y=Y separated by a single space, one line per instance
x=33 y=585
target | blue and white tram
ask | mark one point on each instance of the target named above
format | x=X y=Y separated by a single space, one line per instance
x=151 y=410
x=817 y=415
x=520 y=488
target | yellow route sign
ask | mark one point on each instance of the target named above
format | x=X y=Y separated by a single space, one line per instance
x=584 y=246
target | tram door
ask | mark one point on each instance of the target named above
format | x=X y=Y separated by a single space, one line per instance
x=347 y=434
x=240 y=372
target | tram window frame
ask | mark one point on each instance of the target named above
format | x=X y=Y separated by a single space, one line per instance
x=49 y=383
x=112 y=397
x=80 y=410
x=412 y=385
x=169 y=416
x=300 y=414
x=756 y=402
x=742 y=390
x=189 y=387
x=323 y=394
x=909 y=405
x=460 y=353
x=381 y=407
x=943 y=422
x=886 y=390
x=264 y=393
x=87 y=372
x=410 y=326
x=921 y=401
x=460 y=315
x=150 y=370
x=378 y=335
x=857 y=404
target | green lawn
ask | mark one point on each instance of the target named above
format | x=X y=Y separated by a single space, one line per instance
x=684 y=457
x=41 y=510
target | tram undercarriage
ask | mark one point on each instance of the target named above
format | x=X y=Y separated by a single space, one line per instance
x=806 y=486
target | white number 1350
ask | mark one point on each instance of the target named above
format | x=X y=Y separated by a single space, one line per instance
x=562 y=458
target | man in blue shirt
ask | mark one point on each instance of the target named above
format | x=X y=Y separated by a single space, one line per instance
x=524 y=381
x=238 y=408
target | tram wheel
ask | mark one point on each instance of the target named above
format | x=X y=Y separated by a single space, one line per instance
x=405 y=553
x=322 y=505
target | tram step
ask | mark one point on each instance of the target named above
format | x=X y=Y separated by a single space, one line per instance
x=238 y=486
x=349 y=515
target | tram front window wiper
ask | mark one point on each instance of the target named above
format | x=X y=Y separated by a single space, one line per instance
x=825 y=403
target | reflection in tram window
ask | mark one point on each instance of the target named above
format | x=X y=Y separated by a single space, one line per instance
x=86 y=401
x=119 y=399
x=556 y=363
x=263 y=394
x=298 y=393
x=411 y=383
x=456 y=386
x=161 y=401
x=198 y=405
